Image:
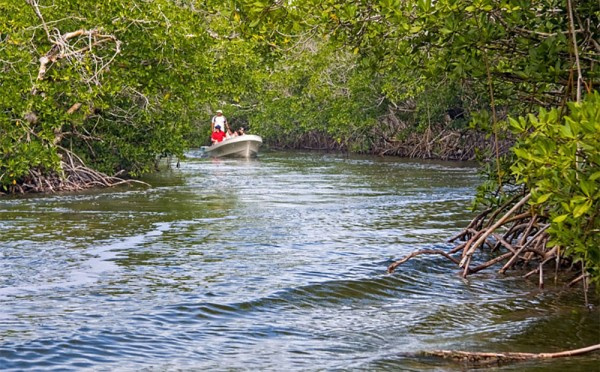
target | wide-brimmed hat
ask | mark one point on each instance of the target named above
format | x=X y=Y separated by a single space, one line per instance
x=219 y=112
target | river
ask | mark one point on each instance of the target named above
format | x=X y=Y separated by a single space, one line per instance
x=276 y=263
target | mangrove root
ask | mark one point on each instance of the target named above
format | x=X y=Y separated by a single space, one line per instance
x=394 y=265
x=516 y=236
x=73 y=175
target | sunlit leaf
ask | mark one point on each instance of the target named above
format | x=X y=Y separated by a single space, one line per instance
x=560 y=218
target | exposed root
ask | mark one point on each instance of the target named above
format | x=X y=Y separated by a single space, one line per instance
x=394 y=265
x=74 y=175
x=496 y=358
x=517 y=238
x=578 y=279
x=434 y=143
x=446 y=145
x=488 y=231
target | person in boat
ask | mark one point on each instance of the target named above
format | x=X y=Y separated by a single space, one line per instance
x=218 y=135
x=235 y=133
x=230 y=134
x=219 y=120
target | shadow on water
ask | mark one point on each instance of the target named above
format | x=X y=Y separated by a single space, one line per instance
x=269 y=264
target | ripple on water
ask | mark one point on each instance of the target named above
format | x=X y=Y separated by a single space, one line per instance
x=277 y=263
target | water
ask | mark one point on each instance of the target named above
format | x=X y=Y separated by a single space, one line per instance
x=269 y=264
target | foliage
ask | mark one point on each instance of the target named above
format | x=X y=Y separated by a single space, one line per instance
x=145 y=76
x=321 y=90
x=118 y=83
x=123 y=82
x=420 y=60
x=558 y=159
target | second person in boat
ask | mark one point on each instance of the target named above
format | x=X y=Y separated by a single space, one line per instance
x=218 y=135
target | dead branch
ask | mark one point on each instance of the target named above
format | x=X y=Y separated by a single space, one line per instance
x=36 y=8
x=492 y=358
x=61 y=49
x=74 y=108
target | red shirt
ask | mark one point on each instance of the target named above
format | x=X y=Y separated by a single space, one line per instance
x=218 y=136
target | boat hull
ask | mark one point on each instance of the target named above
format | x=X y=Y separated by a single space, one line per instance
x=245 y=146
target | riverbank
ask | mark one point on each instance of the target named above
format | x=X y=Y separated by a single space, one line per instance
x=432 y=144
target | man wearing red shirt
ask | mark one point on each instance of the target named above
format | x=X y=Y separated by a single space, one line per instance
x=218 y=135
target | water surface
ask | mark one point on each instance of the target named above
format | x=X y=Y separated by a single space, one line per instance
x=268 y=264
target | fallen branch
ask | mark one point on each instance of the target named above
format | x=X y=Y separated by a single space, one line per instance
x=489 y=358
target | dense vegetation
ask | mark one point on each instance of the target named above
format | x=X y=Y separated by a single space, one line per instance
x=108 y=86
x=94 y=89
x=557 y=158
x=549 y=195
x=373 y=73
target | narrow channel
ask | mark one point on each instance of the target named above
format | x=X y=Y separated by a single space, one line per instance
x=268 y=264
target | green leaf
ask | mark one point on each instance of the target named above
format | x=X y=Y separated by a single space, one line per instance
x=515 y=124
x=588 y=187
x=582 y=209
x=543 y=198
x=595 y=176
x=522 y=153
x=415 y=29
x=560 y=218
x=565 y=130
x=577 y=199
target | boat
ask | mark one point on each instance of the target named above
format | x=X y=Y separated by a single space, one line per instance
x=245 y=146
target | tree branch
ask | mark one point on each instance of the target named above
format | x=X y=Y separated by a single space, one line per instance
x=36 y=8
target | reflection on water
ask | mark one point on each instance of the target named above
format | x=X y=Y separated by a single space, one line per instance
x=273 y=263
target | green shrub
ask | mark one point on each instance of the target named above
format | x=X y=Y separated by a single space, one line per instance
x=557 y=157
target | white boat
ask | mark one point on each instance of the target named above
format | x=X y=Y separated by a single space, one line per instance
x=245 y=146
